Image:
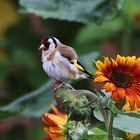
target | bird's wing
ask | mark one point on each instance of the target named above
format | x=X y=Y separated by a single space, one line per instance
x=68 y=52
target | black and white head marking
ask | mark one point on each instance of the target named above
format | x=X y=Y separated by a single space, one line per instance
x=51 y=40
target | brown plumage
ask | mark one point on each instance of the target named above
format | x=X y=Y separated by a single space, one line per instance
x=67 y=52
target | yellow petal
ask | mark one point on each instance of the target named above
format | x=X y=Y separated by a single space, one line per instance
x=56 y=130
x=130 y=135
x=130 y=61
x=100 y=65
x=137 y=60
x=101 y=78
x=57 y=112
x=107 y=61
x=123 y=60
x=118 y=58
x=57 y=119
x=126 y=107
x=98 y=73
x=114 y=63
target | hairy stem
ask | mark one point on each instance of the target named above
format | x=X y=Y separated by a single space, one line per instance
x=104 y=112
x=110 y=128
x=90 y=95
x=106 y=118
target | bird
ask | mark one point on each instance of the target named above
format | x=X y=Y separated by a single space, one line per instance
x=61 y=61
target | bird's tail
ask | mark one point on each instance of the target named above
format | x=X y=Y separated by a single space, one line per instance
x=90 y=75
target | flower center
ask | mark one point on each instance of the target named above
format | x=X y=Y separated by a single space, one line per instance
x=121 y=79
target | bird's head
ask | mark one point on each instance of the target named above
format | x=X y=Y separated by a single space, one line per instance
x=49 y=44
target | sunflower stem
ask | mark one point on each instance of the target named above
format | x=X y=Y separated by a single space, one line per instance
x=105 y=117
x=104 y=112
x=110 y=127
x=90 y=95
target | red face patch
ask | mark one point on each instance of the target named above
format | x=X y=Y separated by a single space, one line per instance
x=45 y=43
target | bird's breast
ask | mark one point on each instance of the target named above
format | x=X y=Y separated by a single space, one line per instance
x=59 y=68
x=52 y=56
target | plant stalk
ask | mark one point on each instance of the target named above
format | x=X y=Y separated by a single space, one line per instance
x=110 y=128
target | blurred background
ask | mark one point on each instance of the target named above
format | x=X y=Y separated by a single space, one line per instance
x=94 y=29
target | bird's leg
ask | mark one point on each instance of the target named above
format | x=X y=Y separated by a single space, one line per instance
x=56 y=85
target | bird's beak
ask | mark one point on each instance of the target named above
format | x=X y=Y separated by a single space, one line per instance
x=41 y=47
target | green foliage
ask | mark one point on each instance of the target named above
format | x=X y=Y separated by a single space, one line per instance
x=96 y=134
x=78 y=131
x=7 y=114
x=36 y=134
x=32 y=104
x=132 y=13
x=93 y=32
x=81 y=11
x=20 y=62
x=127 y=123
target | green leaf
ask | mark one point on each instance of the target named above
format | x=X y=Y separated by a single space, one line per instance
x=32 y=104
x=88 y=59
x=98 y=134
x=98 y=131
x=98 y=115
x=127 y=123
x=123 y=122
x=72 y=10
x=77 y=130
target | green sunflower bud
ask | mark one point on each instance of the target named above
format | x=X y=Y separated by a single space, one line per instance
x=74 y=104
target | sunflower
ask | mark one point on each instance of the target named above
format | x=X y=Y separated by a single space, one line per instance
x=55 y=124
x=121 y=76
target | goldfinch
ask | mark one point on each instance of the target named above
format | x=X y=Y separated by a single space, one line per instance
x=60 y=61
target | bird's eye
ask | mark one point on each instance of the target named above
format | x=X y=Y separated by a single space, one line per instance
x=46 y=44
